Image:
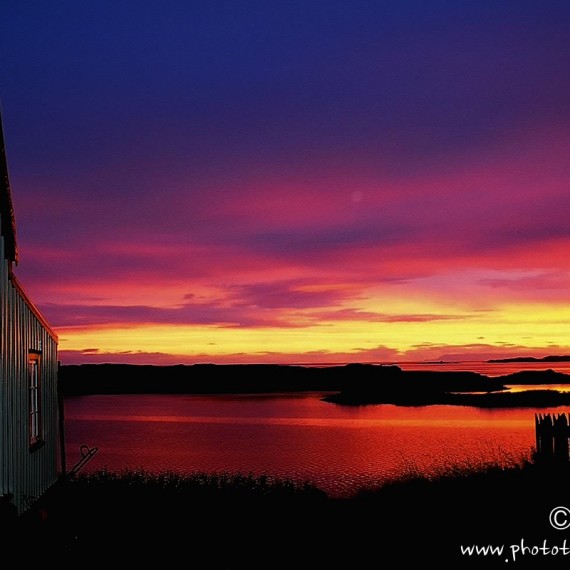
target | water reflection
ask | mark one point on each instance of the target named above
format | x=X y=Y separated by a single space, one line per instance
x=298 y=436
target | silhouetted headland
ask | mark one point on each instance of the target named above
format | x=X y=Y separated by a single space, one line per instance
x=198 y=379
x=351 y=384
x=536 y=377
x=561 y=358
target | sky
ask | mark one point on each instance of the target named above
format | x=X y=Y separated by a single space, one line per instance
x=291 y=181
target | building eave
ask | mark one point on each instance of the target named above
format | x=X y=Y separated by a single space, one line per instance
x=7 y=218
x=18 y=286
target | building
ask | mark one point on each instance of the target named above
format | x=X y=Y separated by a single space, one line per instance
x=29 y=414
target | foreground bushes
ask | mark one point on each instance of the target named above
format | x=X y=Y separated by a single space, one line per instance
x=242 y=521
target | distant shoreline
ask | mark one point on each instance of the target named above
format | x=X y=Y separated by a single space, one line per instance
x=352 y=384
x=561 y=358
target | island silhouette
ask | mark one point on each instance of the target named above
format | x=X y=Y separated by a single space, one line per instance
x=551 y=358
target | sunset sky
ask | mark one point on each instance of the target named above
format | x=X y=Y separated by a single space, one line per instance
x=291 y=181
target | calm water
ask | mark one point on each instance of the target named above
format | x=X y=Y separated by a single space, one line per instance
x=292 y=435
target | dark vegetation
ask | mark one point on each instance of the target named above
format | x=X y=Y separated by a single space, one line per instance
x=237 y=521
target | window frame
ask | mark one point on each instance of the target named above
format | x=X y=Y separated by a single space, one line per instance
x=35 y=427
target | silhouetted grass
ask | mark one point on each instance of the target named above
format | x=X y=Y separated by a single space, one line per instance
x=242 y=521
x=168 y=485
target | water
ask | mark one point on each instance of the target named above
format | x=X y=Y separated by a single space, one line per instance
x=525 y=387
x=293 y=435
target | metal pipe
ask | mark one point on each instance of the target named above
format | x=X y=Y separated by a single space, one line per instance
x=87 y=453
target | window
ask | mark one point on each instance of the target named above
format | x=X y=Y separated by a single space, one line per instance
x=34 y=399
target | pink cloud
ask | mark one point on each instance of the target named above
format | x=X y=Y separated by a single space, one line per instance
x=374 y=317
x=381 y=354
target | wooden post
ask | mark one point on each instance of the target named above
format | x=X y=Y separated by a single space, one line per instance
x=552 y=437
x=542 y=436
x=561 y=438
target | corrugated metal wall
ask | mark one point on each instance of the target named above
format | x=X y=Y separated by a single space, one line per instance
x=25 y=472
x=3 y=466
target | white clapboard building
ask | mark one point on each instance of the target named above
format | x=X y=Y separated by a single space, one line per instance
x=29 y=418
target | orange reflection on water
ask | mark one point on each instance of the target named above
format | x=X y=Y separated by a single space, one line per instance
x=299 y=436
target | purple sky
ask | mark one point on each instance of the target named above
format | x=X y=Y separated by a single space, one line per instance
x=360 y=168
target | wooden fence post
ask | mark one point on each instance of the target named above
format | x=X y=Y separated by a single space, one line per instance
x=552 y=434
x=561 y=438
